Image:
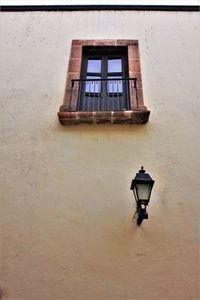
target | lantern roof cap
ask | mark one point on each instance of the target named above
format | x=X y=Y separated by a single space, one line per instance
x=143 y=178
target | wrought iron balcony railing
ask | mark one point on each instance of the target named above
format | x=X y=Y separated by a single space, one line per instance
x=103 y=94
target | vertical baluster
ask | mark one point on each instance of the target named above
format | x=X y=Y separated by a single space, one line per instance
x=86 y=96
x=84 y=92
x=98 y=95
x=71 y=92
x=89 y=95
x=102 y=107
x=128 y=99
x=126 y=104
x=79 y=94
x=123 y=94
x=113 y=93
x=101 y=100
x=92 y=96
x=110 y=98
x=93 y=100
x=82 y=87
x=118 y=104
x=106 y=93
x=136 y=91
x=108 y=103
x=74 y=96
x=132 y=92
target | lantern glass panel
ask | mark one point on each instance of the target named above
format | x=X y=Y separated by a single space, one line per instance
x=143 y=191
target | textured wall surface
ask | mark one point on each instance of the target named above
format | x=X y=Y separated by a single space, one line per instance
x=66 y=207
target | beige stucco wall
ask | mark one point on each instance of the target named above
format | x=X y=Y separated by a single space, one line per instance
x=66 y=207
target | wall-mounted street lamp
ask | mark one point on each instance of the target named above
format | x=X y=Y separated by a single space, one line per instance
x=141 y=185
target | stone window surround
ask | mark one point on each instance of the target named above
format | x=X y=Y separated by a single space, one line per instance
x=136 y=115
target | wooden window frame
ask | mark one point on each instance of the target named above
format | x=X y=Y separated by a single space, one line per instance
x=134 y=115
x=105 y=53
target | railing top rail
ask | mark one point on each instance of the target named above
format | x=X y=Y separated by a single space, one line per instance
x=105 y=79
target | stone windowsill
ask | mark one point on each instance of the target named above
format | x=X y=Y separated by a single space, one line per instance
x=102 y=117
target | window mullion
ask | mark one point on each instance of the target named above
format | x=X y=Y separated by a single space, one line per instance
x=104 y=66
x=104 y=83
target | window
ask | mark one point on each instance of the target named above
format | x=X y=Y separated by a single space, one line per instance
x=104 y=84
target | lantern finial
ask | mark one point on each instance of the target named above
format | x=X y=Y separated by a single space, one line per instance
x=142 y=170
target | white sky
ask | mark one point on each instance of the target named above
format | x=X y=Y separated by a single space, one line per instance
x=125 y=2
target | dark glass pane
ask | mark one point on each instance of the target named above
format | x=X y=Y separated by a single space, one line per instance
x=115 y=85
x=94 y=66
x=114 y=65
x=93 y=86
